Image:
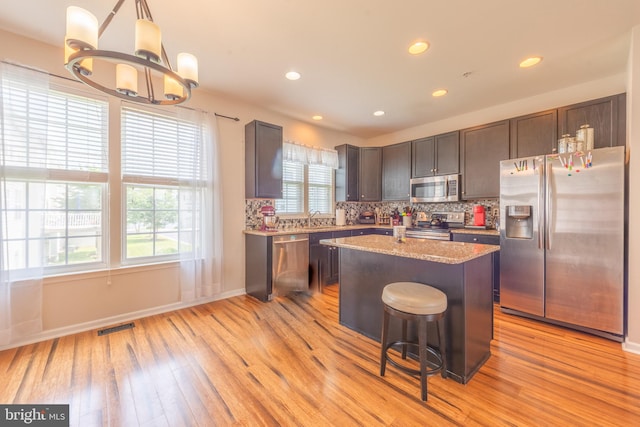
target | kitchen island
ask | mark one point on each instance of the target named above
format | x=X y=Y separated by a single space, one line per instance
x=463 y=271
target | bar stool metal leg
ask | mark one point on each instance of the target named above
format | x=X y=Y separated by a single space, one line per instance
x=404 y=338
x=422 y=344
x=443 y=347
x=383 y=342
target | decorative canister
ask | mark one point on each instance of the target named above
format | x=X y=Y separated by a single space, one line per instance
x=585 y=134
x=562 y=143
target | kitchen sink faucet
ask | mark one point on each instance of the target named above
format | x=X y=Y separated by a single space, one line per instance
x=311 y=215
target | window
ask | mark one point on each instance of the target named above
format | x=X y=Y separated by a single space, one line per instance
x=320 y=189
x=161 y=158
x=56 y=168
x=306 y=189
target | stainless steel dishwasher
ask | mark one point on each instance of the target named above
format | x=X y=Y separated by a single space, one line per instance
x=290 y=263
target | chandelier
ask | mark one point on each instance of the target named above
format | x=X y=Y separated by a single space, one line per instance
x=150 y=58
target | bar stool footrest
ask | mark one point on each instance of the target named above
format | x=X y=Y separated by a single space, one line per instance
x=430 y=370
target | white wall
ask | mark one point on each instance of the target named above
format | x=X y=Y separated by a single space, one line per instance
x=570 y=95
x=633 y=143
x=86 y=301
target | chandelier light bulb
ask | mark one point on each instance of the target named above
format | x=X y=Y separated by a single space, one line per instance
x=148 y=40
x=82 y=29
x=188 y=68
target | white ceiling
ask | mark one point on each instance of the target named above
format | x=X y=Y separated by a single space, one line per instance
x=352 y=53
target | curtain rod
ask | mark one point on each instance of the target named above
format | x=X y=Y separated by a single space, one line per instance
x=236 y=119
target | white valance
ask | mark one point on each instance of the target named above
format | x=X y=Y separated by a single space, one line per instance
x=299 y=153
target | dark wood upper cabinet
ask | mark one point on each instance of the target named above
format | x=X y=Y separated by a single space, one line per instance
x=396 y=171
x=436 y=155
x=482 y=149
x=370 y=176
x=447 y=153
x=534 y=134
x=423 y=159
x=607 y=117
x=263 y=160
x=346 y=178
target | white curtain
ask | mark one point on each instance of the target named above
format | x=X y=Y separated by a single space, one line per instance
x=299 y=153
x=20 y=280
x=201 y=269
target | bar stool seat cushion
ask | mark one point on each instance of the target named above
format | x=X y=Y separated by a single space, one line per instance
x=414 y=298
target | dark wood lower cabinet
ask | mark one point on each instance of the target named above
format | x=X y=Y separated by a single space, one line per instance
x=324 y=261
x=487 y=240
x=258 y=260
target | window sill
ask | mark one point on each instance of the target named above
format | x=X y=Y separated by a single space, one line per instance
x=106 y=272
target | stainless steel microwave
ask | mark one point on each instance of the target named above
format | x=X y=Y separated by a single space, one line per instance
x=445 y=188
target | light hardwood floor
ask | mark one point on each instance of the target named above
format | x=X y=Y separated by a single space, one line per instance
x=289 y=362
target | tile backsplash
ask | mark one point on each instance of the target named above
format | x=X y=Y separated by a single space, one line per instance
x=253 y=218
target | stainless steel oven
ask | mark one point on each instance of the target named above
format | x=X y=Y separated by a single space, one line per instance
x=430 y=189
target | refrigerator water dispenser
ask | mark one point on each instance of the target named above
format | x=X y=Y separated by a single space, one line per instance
x=519 y=222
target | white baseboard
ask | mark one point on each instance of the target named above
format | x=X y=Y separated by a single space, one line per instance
x=121 y=318
x=631 y=347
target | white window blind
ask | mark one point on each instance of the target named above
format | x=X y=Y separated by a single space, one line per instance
x=292 y=201
x=54 y=131
x=159 y=149
x=320 y=189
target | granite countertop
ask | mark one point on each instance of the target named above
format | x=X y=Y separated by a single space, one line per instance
x=322 y=229
x=445 y=252
x=486 y=232
x=318 y=229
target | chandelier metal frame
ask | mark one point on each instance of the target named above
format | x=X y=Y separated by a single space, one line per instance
x=150 y=64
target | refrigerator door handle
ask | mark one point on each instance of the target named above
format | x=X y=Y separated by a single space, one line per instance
x=548 y=206
x=541 y=170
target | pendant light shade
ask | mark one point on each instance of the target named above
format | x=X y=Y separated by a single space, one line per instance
x=127 y=79
x=188 y=67
x=85 y=66
x=82 y=29
x=148 y=40
x=172 y=89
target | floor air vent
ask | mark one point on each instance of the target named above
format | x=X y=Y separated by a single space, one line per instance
x=106 y=331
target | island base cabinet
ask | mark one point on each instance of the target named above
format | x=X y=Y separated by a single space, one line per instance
x=468 y=286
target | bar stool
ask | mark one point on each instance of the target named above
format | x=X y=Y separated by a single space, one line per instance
x=420 y=303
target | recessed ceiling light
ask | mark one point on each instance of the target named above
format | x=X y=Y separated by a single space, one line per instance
x=418 y=47
x=530 y=62
x=317 y=117
x=292 y=75
x=439 y=92
x=378 y=113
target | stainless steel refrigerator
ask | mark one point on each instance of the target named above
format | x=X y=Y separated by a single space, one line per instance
x=562 y=239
